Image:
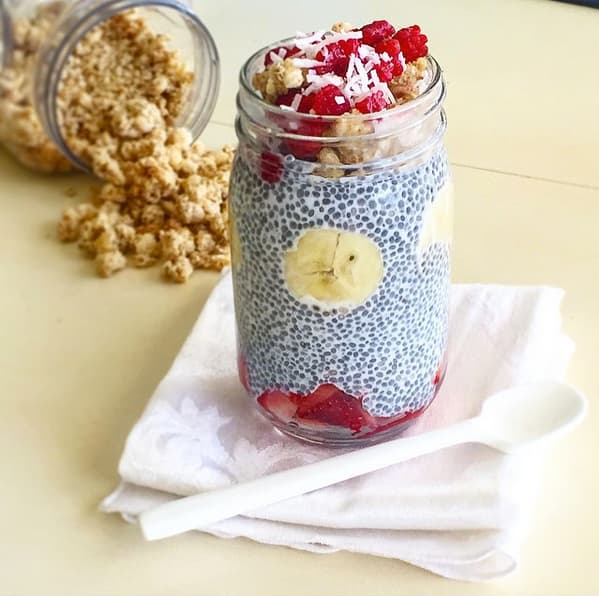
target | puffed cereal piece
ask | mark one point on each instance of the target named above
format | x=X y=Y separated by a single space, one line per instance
x=86 y=242
x=111 y=192
x=71 y=220
x=190 y=212
x=108 y=263
x=341 y=27
x=107 y=241
x=135 y=118
x=277 y=79
x=176 y=243
x=105 y=166
x=328 y=157
x=216 y=260
x=147 y=250
x=204 y=242
x=352 y=152
x=152 y=214
x=178 y=270
x=126 y=235
x=406 y=86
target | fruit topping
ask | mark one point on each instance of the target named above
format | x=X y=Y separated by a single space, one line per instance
x=330 y=101
x=377 y=31
x=413 y=43
x=271 y=167
x=279 y=54
x=373 y=103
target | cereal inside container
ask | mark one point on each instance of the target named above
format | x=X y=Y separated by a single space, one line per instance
x=42 y=91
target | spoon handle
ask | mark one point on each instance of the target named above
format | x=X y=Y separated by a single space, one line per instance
x=206 y=508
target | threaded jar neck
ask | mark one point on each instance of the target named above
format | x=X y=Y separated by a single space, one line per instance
x=401 y=134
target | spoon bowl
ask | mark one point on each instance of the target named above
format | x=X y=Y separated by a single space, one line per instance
x=524 y=415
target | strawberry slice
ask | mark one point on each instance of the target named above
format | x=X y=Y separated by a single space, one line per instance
x=287 y=99
x=382 y=423
x=282 y=406
x=334 y=407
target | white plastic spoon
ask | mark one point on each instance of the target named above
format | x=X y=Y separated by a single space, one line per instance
x=510 y=420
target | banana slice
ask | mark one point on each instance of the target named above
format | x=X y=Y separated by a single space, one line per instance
x=333 y=269
x=236 y=254
x=437 y=223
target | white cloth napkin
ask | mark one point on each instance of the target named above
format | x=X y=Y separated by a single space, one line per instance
x=458 y=512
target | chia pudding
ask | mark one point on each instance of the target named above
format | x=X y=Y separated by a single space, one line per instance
x=341 y=211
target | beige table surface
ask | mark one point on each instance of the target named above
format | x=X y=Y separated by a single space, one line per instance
x=79 y=356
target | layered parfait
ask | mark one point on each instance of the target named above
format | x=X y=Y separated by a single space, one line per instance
x=341 y=207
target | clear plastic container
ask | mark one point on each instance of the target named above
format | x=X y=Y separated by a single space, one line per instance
x=176 y=18
x=341 y=271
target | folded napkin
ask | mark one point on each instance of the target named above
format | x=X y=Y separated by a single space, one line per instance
x=459 y=512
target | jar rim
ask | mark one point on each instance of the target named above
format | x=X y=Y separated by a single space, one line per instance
x=51 y=66
x=247 y=71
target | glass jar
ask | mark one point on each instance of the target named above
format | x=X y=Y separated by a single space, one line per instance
x=341 y=271
x=70 y=23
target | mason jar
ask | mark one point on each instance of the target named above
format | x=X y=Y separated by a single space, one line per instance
x=341 y=270
x=71 y=21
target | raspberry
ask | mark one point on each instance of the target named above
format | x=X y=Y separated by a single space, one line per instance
x=397 y=68
x=373 y=103
x=287 y=99
x=330 y=101
x=288 y=52
x=281 y=405
x=306 y=103
x=350 y=46
x=336 y=58
x=385 y=70
x=301 y=149
x=305 y=149
x=413 y=43
x=392 y=48
x=271 y=167
x=376 y=31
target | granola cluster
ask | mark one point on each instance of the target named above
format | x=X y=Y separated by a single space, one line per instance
x=121 y=83
x=20 y=129
x=164 y=198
